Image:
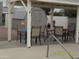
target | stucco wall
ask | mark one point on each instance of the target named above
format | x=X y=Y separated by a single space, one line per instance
x=60 y=21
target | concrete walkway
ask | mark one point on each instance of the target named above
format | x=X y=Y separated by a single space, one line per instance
x=15 y=50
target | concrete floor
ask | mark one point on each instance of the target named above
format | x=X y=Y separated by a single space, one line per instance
x=15 y=50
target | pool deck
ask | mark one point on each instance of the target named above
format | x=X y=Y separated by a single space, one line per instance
x=15 y=50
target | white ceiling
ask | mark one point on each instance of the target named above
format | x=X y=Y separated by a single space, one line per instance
x=74 y=2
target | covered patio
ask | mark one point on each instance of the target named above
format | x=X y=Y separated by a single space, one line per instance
x=40 y=3
x=12 y=49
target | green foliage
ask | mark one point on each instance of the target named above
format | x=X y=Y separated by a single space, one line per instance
x=71 y=13
x=58 y=13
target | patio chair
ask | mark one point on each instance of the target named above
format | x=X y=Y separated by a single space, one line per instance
x=71 y=31
x=59 y=32
x=44 y=33
x=36 y=33
x=17 y=29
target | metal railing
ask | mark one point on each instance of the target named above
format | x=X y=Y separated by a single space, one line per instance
x=61 y=44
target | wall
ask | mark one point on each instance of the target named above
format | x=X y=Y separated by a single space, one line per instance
x=16 y=23
x=60 y=21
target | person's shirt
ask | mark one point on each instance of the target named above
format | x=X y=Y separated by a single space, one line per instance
x=23 y=30
x=23 y=27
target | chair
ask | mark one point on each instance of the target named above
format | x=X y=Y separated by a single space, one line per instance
x=59 y=31
x=36 y=33
x=71 y=30
x=65 y=34
x=44 y=33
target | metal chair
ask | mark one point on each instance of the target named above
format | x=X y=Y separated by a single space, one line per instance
x=59 y=32
x=71 y=31
x=36 y=33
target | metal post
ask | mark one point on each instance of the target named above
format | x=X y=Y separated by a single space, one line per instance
x=51 y=18
x=48 y=41
x=52 y=36
x=63 y=46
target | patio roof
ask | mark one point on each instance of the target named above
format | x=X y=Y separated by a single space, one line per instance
x=66 y=4
x=70 y=2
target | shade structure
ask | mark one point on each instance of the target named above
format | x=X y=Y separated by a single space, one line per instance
x=67 y=4
x=51 y=3
x=71 y=2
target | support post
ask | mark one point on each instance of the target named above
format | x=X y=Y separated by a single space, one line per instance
x=9 y=20
x=28 y=23
x=77 y=26
x=28 y=20
x=10 y=8
x=51 y=18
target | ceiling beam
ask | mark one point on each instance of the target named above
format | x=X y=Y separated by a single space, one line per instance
x=54 y=6
x=49 y=5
